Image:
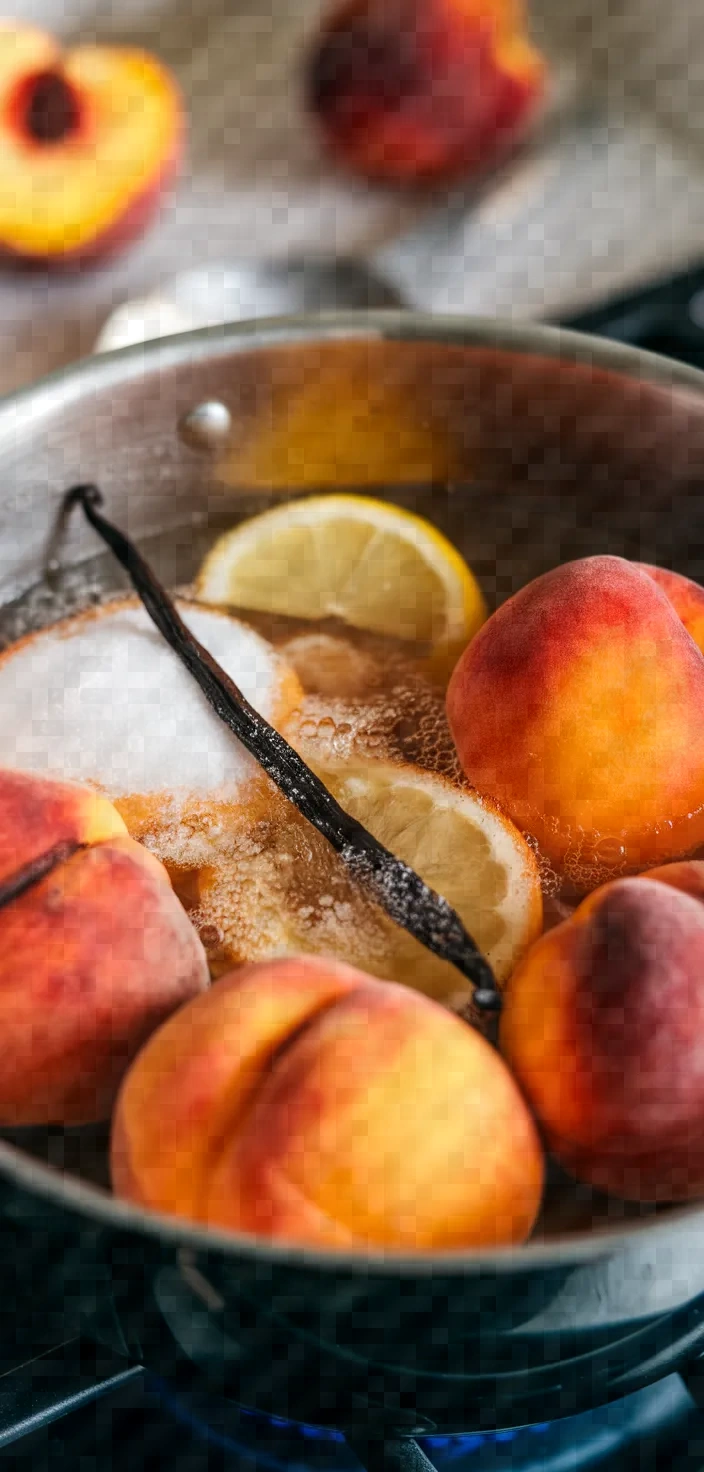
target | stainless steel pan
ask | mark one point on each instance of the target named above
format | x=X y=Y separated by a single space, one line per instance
x=529 y=446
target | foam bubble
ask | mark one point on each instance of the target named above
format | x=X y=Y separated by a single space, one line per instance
x=276 y=888
x=405 y=723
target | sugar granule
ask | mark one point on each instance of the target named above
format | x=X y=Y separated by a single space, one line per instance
x=102 y=698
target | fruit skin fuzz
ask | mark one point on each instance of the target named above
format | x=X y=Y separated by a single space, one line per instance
x=91 y=139
x=579 y=708
x=423 y=91
x=603 y=1028
x=315 y=1104
x=93 y=955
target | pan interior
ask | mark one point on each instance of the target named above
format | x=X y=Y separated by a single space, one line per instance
x=522 y=458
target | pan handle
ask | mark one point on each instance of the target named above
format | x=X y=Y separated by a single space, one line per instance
x=388 y=1453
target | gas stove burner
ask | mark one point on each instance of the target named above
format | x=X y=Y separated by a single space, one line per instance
x=143 y=1423
x=575 y=1444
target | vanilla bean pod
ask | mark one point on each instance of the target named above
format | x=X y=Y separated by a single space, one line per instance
x=392 y=884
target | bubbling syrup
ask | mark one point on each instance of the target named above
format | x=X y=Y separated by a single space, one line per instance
x=506 y=543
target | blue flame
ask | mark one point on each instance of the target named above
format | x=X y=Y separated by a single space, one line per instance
x=573 y=1444
x=452 y=1448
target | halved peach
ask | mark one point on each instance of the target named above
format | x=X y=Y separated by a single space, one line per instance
x=89 y=140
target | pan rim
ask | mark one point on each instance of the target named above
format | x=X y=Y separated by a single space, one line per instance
x=524 y=338
x=98 y=1206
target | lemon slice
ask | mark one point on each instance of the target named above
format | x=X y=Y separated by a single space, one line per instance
x=281 y=890
x=464 y=847
x=373 y=565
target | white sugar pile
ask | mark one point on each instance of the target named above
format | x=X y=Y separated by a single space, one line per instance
x=102 y=698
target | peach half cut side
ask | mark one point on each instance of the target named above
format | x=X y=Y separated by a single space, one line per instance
x=89 y=140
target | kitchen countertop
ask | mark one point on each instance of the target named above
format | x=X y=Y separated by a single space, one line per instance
x=616 y=195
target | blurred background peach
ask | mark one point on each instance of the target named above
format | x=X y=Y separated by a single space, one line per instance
x=612 y=194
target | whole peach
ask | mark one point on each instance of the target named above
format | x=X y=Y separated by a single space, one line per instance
x=92 y=959
x=416 y=90
x=579 y=707
x=312 y=1103
x=603 y=1026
